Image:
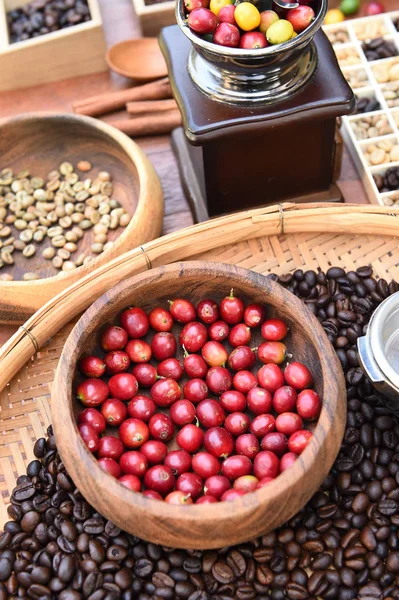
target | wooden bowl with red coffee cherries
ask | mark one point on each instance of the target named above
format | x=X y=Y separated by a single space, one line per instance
x=198 y=405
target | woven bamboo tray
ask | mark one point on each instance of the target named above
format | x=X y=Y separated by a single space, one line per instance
x=277 y=239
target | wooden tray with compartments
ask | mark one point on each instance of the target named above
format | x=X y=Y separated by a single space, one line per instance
x=153 y=17
x=70 y=52
x=365 y=78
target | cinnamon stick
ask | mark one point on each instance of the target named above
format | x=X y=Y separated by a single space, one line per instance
x=150 y=106
x=153 y=124
x=113 y=101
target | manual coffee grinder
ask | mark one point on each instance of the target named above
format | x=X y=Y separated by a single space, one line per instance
x=259 y=126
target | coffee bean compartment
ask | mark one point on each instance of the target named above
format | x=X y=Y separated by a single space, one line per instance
x=64 y=35
x=372 y=133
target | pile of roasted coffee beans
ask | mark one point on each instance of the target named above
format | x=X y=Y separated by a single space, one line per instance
x=224 y=421
x=389 y=181
x=379 y=48
x=366 y=104
x=44 y=16
x=343 y=545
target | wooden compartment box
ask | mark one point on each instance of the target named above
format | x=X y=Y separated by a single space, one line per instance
x=70 y=52
x=153 y=17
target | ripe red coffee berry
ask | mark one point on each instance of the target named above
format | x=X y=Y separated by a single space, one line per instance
x=233 y=401
x=190 y=438
x=272 y=352
x=262 y=424
x=133 y=463
x=208 y=311
x=219 y=442
x=298 y=375
x=242 y=358
x=161 y=427
x=138 y=351
x=170 y=368
x=284 y=399
x=248 y=445
x=236 y=466
x=287 y=461
x=210 y=413
x=179 y=498
x=141 y=407
x=240 y=335
x=244 y=381
x=219 y=331
x=308 y=405
x=160 y=319
x=193 y=336
x=179 y=461
x=110 y=447
x=160 y=479
x=182 y=310
x=266 y=464
x=123 y=386
x=153 y=495
x=131 y=482
x=214 y=354
x=264 y=481
x=254 y=315
x=195 y=390
x=191 y=484
x=116 y=361
x=114 y=411
x=232 y=309
x=113 y=338
x=288 y=423
x=237 y=423
x=270 y=377
x=195 y=366
x=246 y=483
x=133 y=433
x=206 y=500
x=275 y=442
x=299 y=440
x=216 y=486
x=163 y=345
x=182 y=412
x=165 y=391
x=93 y=392
x=89 y=436
x=218 y=380
x=226 y=14
x=145 y=374
x=92 y=366
x=109 y=465
x=135 y=322
x=93 y=417
x=232 y=495
x=205 y=464
x=154 y=451
x=259 y=401
x=274 y=330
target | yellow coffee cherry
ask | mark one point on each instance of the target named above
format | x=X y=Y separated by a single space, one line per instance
x=334 y=16
x=247 y=16
x=279 y=32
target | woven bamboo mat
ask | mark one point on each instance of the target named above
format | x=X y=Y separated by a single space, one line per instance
x=24 y=404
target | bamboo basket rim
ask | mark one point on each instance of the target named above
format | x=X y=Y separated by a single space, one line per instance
x=274 y=220
x=145 y=176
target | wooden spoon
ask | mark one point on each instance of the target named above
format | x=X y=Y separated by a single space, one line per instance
x=139 y=59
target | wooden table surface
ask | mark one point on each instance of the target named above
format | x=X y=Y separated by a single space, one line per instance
x=120 y=23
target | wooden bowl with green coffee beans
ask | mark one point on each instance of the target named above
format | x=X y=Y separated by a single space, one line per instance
x=74 y=194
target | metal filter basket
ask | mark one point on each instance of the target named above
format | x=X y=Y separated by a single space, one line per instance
x=379 y=351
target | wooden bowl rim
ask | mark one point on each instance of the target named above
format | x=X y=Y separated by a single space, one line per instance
x=65 y=427
x=109 y=59
x=137 y=157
